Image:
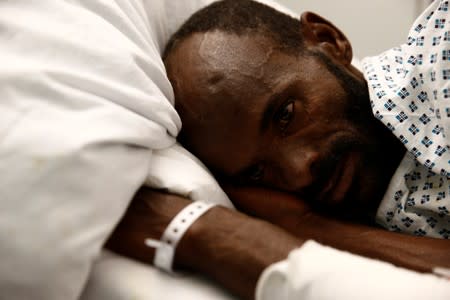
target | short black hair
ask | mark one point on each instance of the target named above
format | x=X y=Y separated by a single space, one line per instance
x=242 y=17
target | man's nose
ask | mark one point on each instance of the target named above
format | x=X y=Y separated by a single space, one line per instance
x=296 y=169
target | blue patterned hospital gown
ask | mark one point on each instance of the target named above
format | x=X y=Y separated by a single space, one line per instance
x=410 y=93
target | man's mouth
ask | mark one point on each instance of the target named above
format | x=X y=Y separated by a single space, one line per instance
x=335 y=188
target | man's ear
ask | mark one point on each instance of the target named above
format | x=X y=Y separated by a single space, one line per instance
x=321 y=34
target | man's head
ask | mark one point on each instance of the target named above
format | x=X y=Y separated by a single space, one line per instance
x=268 y=99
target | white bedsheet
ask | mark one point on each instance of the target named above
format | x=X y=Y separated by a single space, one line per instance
x=118 y=278
x=312 y=272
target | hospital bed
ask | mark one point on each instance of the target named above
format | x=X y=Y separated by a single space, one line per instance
x=143 y=26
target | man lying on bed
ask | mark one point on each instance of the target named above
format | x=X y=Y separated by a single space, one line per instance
x=274 y=107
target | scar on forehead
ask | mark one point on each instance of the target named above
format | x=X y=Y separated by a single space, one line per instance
x=216 y=78
x=240 y=54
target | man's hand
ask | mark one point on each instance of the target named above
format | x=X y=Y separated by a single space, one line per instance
x=223 y=244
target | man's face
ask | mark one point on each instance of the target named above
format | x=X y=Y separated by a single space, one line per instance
x=258 y=115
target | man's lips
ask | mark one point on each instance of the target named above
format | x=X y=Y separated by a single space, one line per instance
x=336 y=187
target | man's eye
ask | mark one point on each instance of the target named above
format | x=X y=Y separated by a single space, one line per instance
x=256 y=172
x=286 y=115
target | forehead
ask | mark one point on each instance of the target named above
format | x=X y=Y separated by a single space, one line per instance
x=245 y=57
x=224 y=81
x=222 y=60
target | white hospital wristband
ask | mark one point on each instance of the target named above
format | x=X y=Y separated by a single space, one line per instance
x=165 y=247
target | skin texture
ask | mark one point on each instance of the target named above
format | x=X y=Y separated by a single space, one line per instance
x=221 y=102
x=300 y=123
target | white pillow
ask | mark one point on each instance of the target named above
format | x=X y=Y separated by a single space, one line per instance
x=84 y=103
x=86 y=112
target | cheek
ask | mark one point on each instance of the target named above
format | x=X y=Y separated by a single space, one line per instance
x=326 y=97
x=314 y=124
x=322 y=111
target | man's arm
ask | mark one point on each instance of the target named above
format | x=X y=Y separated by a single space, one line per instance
x=416 y=253
x=234 y=249
x=223 y=244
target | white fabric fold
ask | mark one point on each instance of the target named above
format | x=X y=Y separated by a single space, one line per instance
x=317 y=272
x=176 y=170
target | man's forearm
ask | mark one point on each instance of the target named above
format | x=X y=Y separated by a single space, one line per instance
x=223 y=244
x=292 y=214
x=416 y=253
